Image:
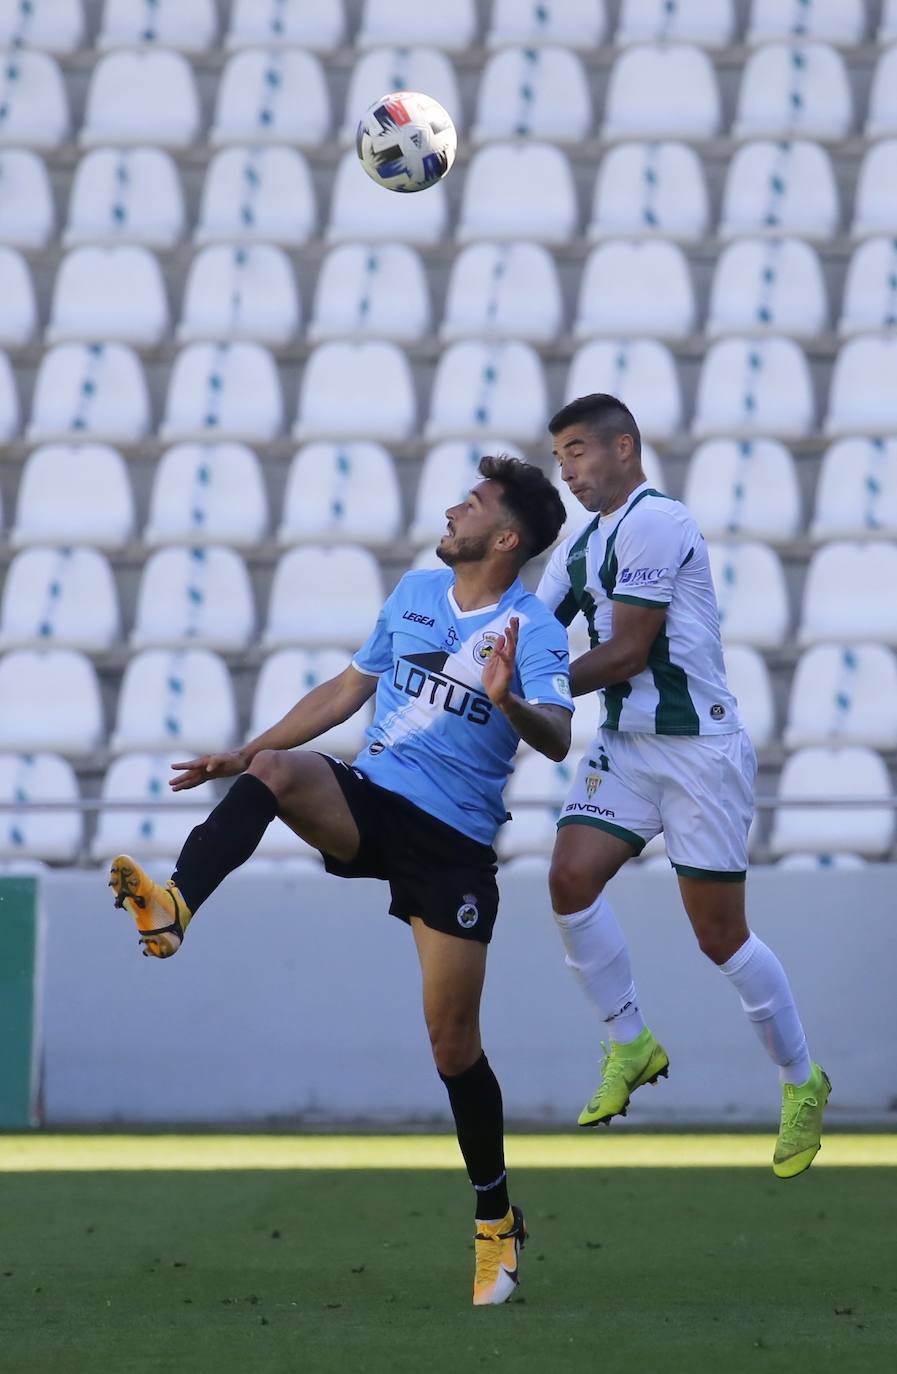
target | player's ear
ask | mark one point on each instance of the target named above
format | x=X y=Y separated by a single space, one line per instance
x=508 y=540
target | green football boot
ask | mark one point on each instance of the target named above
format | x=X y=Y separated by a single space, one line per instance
x=624 y=1068
x=801 y=1125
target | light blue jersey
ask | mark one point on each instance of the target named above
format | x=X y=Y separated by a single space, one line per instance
x=436 y=738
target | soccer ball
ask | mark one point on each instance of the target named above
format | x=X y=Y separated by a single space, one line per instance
x=406 y=141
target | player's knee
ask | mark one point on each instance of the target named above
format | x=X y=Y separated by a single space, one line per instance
x=272 y=768
x=573 y=887
x=719 y=944
x=455 y=1045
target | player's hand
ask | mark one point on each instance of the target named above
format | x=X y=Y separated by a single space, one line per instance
x=206 y=769
x=498 y=673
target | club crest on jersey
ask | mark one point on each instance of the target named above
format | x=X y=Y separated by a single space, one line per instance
x=485 y=647
x=468 y=911
x=593 y=782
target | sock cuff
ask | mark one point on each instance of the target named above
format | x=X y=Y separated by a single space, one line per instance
x=574 y=919
x=741 y=956
x=251 y=791
x=462 y=1079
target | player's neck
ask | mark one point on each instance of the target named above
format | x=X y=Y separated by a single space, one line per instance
x=622 y=496
x=477 y=585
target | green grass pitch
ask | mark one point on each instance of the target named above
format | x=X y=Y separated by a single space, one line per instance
x=649 y=1254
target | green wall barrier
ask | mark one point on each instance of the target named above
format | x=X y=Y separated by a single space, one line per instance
x=19 y=1001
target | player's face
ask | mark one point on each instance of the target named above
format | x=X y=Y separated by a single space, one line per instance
x=472 y=525
x=596 y=470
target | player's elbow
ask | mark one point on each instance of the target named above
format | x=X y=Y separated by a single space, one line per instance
x=560 y=745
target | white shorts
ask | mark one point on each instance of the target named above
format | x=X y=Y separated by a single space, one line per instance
x=697 y=789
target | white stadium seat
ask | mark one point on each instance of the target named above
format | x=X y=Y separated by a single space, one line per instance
x=745 y=488
x=109 y=292
x=784 y=187
x=836 y=860
x=324 y=596
x=257 y=195
x=9 y=400
x=534 y=795
x=575 y=24
x=533 y=92
x=166 y=23
x=371 y=290
x=518 y=188
x=160 y=820
x=341 y=493
x=18 y=318
x=400 y=69
x=751 y=594
x=540 y=780
x=74 y=495
x=754 y=387
x=830 y=775
x=52 y=25
x=831 y=21
x=198 y=595
x=641 y=372
x=488 y=388
x=277 y=95
x=650 y=190
x=856 y=493
x=870 y=292
x=863 y=395
x=360 y=212
x=888 y=27
x=64 y=596
x=446 y=476
x=26 y=201
x=708 y=23
x=452 y=27
x=208 y=493
x=51 y=835
x=142 y=97
x=126 y=195
x=240 y=291
x=90 y=391
x=844 y=694
x=748 y=678
x=765 y=284
x=175 y=699
x=660 y=90
x=875 y=199
x=636 y=288
x=379 y=404
x=49 y=699
x=33 y=104
x=228 y=390
x=882 y=97
x=320 y=27
x=290 y=674
x=794 y=90
x=849 y=594
x=503 y=290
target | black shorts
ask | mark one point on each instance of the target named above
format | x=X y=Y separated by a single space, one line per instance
x=433 y=870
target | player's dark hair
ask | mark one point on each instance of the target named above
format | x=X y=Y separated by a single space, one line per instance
x=604 y=415
x=529 y=497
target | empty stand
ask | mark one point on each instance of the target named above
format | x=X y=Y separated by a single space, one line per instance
x=863 y=393
x=763 y=285
x=290 y=674
x=64 y=596
x=324 y=596
x=875 y=201
x=208 y=493
x=240 y=291
x=257 y=194
x=844 y=694
x=535 y=91
x=794 y=91
x=636 y=288
x=870 y=292
x=164 y=23
x=503 y=290
x=745 y=487
x=55 y=836
x=641 y=372
x=380 y=403
x=230 y=390
x=49 y=700
x=883 y=97
x=488 y=388
x=400 y=69
x=146 y=831
x=510 y=185
x=110 y=292
x=344 y=493
x=452 y=27
x=448 y=472
x=534 y=795
x=849 y=594
x=55 y=26
x=90 y=391
x=126 y=195
x=832 y=21
x=650 y=189
x=754 y=387
x=177 y=700
x=748 y=677
x=751 y=594
x=888 y=26
x=360 y=211
x=856 y=493
x=199 y=595
x=274 y=95
x=707 y=23
x=26 y=201
x=662 y=90
x=575 y=24
x=142 y=96
x=371 y=290
x=33 y=103
x=783 y=187
x=320 y=27
x=18 y=319
x=71 y=495
x=9 y=400
x=832 y=775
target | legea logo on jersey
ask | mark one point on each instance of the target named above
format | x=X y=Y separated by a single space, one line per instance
x=642 y=577
x=419 y=619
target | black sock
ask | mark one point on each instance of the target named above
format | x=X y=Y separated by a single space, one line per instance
x=476 y=1106
x=226 y=839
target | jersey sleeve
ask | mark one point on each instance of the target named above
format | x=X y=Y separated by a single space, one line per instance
x=543 y=663
x=554 y=589
x=375 y=654
x=649 y=555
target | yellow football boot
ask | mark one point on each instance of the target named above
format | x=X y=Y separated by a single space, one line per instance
x=161 y=913
x=497 y=1245
x=800 y=1128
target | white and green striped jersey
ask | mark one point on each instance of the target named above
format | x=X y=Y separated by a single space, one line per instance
x=650 y=552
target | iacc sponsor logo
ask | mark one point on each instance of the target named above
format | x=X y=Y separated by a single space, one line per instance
x=562 y=684
x=468 y=911
x=593 y=782
x=485 y=647
x=588 y=809
x=717 y=711
x=642 y=577
x=418 y=618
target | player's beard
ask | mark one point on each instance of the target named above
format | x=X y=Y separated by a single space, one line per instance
x=472 y=549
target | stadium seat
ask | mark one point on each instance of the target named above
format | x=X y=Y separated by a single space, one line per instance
x=163 y=23
x=708 y=23
x=223 y=389
x=518 y=188
x=452 y=27
x=109 y=292
x=534 y=795
x=849 y=594
x=887 y=29
x=324 y=596
x=9 y=400
x=141 y=97
x=636 y=288
x=74 y=495
x=33 y=104
x=754 y=387
x=503 y=290
x=240 y=291
x=641 y=372
x=661 y=90
x=175 y=699
x=361 y=213
x=371 y=290
x=90 y=391
x=380 y=404
x=882 y=97
x=208 y=493
x=574 y=24
x=830 y=775
x=844 y=694
x=780 y=188
x=341 y=493
x=319 y=27
x=399 y=69
x=26 y=201
x=126 y=195
x=750 y=593
x=194 y=596
x=446 y=476
x=747 y=488
x=794 y=90
x=748 y=678
x=278 y=95
x=875 y=199
x=488 y=388
x=55 y=26
x=863 y=394
x=290 y=674
x=533 y=92
x=66 y=596
x=160 y=820
x=18 y=318
x=257 y=195
x=830 y=21
x=49 y=699
x=870 y=292
x=837 y=860
x=426 y=560
x=856 y=493
x=761 y=285
x=650 y=189
x=55 y=836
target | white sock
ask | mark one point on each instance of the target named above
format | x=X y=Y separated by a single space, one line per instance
x=598 y=955
x=769 y=1004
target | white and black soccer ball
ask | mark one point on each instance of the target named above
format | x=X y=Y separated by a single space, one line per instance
x=406 y=141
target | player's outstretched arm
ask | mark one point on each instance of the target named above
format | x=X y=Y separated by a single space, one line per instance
x=625 y=654
x=545 y=728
